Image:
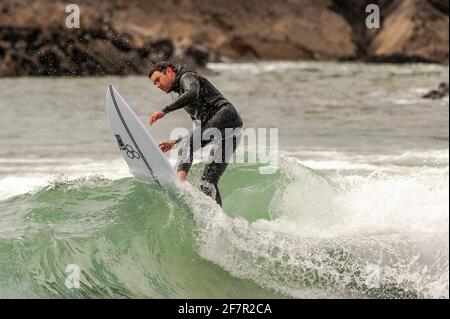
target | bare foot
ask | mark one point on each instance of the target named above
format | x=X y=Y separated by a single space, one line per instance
x=182 y=175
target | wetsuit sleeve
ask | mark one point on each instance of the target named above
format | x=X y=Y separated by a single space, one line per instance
x=191 y=88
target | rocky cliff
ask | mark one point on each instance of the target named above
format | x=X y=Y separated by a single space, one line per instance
x=124 y=36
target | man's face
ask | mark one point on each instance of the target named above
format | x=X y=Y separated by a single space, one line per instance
x=164 y=80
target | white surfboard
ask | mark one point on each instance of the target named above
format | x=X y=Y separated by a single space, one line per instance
x=139 y=149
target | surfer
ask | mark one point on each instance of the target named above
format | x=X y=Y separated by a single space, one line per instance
x=204 y=103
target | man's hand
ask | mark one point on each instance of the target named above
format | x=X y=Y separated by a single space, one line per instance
x=156 y=116
x=166 y=146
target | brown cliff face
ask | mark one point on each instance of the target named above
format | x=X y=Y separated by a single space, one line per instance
x=35 y=41
x=414 y=28
x=124 y=36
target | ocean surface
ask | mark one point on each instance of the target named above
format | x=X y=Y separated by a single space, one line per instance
x=357 y=207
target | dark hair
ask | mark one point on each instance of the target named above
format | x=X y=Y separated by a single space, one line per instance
x=161 y=66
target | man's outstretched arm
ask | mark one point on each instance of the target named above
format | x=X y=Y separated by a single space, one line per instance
x=191 y=88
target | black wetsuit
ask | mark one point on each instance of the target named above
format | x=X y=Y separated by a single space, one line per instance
x=204 y=103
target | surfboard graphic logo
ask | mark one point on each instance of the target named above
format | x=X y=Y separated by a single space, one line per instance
x=129 y=150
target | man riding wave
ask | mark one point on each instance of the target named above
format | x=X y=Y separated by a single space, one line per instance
x=204 y=103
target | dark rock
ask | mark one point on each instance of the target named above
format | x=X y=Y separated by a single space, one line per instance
x=58 y=51
x=243 y=47
x=441 y=92
x=199 y=53
x=49 y=60
x=157 y=49
x=124 y=36
x=122 y=41
x=441 y=5
x=397 y=58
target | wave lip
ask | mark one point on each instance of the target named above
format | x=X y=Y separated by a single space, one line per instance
x=330 y=240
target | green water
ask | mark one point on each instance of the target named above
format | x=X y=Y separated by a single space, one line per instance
x=358 y=208
x=127 y=238
x=135 y=240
